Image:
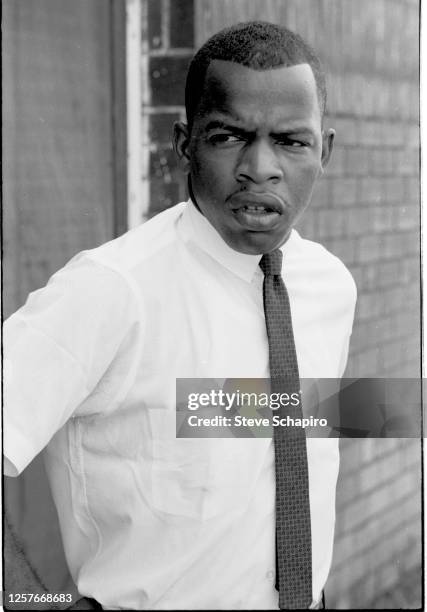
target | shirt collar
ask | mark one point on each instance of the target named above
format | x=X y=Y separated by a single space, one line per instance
x=198 y=230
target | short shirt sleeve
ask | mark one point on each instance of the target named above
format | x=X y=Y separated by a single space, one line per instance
x=56 y=349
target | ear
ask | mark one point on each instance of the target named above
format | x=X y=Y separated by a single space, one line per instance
x=328 y=137
x=181 y=141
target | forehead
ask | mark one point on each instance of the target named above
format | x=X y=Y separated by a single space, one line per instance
x=285 y=93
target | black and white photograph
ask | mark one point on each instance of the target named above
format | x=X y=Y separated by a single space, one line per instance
x=212 y=305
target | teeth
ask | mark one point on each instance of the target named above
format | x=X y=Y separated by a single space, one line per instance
x=255 y=208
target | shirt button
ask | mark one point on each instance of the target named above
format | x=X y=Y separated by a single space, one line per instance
x=270 y=575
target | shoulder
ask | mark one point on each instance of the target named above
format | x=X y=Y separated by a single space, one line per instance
x=115 y=265
x=105 y=277
x=320 y=266
x=140 y=244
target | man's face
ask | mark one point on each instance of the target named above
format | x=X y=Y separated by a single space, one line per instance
x=254 y=152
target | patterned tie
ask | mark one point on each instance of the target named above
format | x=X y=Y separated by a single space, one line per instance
x=293 y=528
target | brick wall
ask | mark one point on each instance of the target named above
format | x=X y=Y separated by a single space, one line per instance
x=366 y=210
x=378 y=531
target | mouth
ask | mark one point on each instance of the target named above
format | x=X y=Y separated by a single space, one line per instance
x=257 y=211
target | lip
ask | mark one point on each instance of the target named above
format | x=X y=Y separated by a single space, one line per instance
x=270 y=201
x=243 y=205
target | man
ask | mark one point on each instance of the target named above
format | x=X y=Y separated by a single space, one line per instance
x=150 y=521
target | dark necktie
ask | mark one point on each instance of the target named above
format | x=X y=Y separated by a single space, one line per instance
x=293 y=529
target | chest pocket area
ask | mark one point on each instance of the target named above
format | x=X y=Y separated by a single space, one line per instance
x=199 y=477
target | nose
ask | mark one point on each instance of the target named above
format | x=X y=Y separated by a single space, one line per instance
x=258 y=163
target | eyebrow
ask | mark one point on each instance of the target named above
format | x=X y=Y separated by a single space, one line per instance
x=221 y=125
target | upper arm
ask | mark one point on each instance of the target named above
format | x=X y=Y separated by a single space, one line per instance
x=56 y=348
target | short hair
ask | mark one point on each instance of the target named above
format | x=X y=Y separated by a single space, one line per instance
x=255 y=44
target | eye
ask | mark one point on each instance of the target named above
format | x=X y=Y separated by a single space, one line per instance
x=295 y=143
x=224 y=138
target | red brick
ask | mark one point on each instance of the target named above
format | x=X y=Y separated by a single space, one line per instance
x=370 y=248
x=410 y=368
x=336 y=166
x=389 y=273
x=412 y=135
x=392 y=516
x=392 y=133
x=351 y=457
x=331 y=223
x=369 y=476
x=406 y=161
x=346 y=131
x=411 y=556
x=388 y=576
x=411 y=189
x=346 y=548
x=409 y=529
x=368 y=449
x=372 y=190
x=373 y=331
x=382 y=162
x=393 y=189
x=368 y=133
x=386 y=446
x=307 y=227
x=348 y=489
x=411 y=269
x=406 y=323
x=370 y=279
x=369 y=362
x=357 y=161
x=364 y=590
x=349 y=573
x=346 y=249
x=358 y=273
x=412 y=451
x=409 y=100
x=406 y=217
x=410 y=243
x=383 y=218
x=392 y=354
x=407 y=482
x=368 y=306
x=321 y=195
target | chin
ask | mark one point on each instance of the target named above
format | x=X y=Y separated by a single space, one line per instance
x=254 y=246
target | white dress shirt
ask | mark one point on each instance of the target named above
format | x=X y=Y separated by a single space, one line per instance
x=150 y=521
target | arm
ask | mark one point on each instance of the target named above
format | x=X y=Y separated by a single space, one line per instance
x=57 y=348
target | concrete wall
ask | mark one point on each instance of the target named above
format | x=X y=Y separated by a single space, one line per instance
x=366 y=210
